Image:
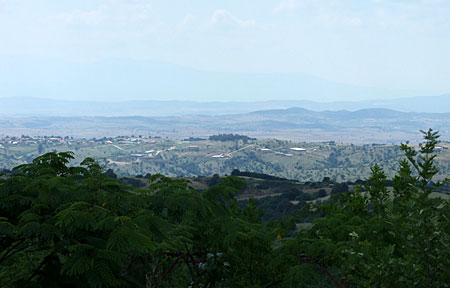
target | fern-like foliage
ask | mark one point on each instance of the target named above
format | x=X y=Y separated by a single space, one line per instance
x=72 y=226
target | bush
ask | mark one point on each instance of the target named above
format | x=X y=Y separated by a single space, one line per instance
x=322 y=193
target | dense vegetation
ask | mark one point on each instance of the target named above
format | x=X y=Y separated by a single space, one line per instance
x=73 y=226
x=230 y=137
x=237 y=172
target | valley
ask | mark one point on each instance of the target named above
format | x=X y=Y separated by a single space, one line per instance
x=139 y=155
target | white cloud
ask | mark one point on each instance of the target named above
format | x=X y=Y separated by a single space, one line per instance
x=187 y=20
x=9 y=6
x=222 y=17
x=413 y=18
x=111 y=12
x=285 y=5
x=334 y=19
x=89 y=17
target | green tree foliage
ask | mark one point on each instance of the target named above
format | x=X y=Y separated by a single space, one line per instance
x=379 y=236
x=322 y=193
x=339 y=188
x=230 y=137
x=63 y=226
x=73 y=226
x=237 y=172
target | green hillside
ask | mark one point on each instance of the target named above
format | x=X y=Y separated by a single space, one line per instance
x=129 y=156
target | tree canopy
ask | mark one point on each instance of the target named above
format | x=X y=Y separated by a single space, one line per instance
x=74 y=226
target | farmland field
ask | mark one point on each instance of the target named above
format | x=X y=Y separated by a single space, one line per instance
x=139 y=156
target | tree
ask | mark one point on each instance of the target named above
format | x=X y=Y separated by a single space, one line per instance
x=74 y=226
x=40 y=148
x=339 y=188
x=322 y=193
x=110 y=173
x=70 y=225
x=381 y=238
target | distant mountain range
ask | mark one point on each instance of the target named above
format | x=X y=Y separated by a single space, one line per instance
x=30 y=106
x=374 y=125
x=120 y=79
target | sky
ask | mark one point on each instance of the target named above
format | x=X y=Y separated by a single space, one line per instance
x=392 y=44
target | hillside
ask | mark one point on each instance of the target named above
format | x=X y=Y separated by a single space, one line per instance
x=296 y=124
x=67 y=223
x=304 y=161
x=44 y=107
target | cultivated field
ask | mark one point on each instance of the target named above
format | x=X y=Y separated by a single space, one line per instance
x=301 y=161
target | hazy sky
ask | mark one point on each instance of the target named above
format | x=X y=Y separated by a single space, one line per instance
x=396 y=44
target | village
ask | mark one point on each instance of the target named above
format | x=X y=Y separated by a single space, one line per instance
x=66 y=140
x=138 y=155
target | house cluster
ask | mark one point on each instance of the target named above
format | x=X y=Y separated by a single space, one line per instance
x=28 y=140
x=66 y=140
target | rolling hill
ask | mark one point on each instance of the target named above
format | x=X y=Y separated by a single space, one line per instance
x=299 y=124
